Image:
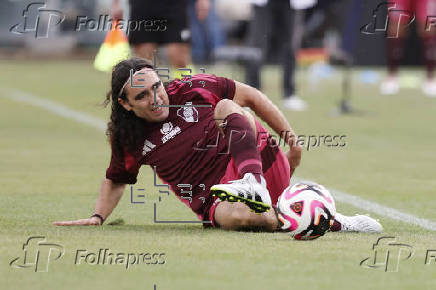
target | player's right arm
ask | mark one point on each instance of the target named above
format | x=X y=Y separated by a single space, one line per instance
x=110 y=195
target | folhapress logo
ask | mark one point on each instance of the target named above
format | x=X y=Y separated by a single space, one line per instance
x=108 y=257
x=387 y=254
x=38 y=19
x=391 y=24
x=38 y=254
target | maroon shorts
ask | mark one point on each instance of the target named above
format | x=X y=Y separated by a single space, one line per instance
x=275 y=166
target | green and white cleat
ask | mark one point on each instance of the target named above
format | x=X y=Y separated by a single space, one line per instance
x=246 y=190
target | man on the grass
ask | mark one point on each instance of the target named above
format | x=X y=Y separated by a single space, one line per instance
x=210 y=143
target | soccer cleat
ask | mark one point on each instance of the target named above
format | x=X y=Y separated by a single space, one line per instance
x=390 y=86
x=429 y=88
x=294 y=103
x=246 y=190
x=358 y=223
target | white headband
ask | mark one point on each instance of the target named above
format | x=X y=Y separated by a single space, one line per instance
x=131 y=76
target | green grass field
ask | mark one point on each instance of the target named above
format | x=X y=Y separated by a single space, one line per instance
x=51 y=169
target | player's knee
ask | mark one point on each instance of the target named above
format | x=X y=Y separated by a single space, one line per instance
x=226 y=107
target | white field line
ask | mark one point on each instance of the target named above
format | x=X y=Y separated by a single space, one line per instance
x=379 y=209
x=340 y=196
x=55 y=108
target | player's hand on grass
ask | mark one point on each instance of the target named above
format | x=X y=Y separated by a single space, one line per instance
x=92 y=221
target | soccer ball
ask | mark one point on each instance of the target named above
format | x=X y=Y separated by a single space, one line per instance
x=306 y=210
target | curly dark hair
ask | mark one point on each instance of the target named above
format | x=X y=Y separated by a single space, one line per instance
x=124 y=129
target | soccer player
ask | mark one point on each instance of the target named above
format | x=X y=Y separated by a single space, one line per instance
x=401 y=13
x=211 y=143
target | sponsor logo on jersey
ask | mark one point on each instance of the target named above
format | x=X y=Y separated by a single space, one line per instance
x=148 y=146
x=169 y=131
x=188 y=113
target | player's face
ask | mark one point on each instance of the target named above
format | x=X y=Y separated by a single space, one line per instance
x=141 y=98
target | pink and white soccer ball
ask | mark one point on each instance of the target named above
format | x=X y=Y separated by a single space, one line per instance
x=306 y=210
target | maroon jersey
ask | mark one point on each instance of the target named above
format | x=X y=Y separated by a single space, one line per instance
x=186 y=150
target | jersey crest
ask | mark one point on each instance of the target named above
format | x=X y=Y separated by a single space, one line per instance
x=188 y=113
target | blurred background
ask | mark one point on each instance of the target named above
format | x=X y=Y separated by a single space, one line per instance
x=325 y=26
x=317 y=38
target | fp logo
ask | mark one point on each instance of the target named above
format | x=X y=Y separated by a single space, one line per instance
x=37 y=19
x=388 y=254
x=391 y=24
x=38 y=254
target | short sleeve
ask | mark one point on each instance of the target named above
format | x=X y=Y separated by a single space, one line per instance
x=226 y=88
x=122 y=169
x=221 y=87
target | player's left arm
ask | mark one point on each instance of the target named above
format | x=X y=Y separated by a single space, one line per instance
x=247 y=96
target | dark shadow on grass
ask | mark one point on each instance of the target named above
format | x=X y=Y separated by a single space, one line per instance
x=156 y=228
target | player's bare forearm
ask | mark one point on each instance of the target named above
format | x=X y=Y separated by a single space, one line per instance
x=248 y=96
x=108 y=198
x=110 y=195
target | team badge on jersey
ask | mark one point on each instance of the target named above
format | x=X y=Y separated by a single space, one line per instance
x=188 y=113
x=169 y=131
x=148 y=146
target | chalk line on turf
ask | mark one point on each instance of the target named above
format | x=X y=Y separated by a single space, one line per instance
x=377 y=208
x=55 y=108
x=83 y=118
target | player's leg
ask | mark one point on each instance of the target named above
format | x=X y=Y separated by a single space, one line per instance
x=177 y=38
x=144 y=50
x=239 y=132
x=258 y=36
x=179 y=55
x=425 y=14
x=142 y=40
x=238 y=216
x=397 y=31
x=292 y=34
x=225 y=108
